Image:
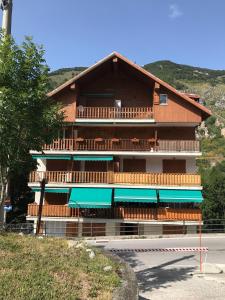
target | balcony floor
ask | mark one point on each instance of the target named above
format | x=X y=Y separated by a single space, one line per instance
x=181 y=154
x=102 y=185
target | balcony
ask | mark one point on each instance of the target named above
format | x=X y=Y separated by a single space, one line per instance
x=116 y=178
x=116 y=144
x=114 y=113
x=125 y=213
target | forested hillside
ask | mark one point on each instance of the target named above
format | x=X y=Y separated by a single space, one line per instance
x=209 y=84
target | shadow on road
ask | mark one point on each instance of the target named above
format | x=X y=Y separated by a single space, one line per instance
x=142 y=298
x=160 y=276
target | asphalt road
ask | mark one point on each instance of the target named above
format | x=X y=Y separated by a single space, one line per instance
x=169 y=276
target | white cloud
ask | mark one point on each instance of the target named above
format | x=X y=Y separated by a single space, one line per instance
x=175 y=11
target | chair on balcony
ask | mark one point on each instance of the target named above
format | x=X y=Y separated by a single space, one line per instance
x=79 y=143
x=99 y=140
x=115 y=144
x=153 y=143
x=99 y=144
x=135 y=141
x=79 y=140
x=115 y=140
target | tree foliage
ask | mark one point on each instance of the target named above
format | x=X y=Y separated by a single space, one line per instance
x=213 y=206
x=28 y=119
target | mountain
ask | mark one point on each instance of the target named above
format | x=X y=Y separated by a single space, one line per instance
x=62 y=75
x=209 y=84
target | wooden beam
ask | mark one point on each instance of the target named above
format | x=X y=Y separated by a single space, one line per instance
x=157 y=86
x=156 y=93
x=115 y=65
x=73 y=86
x=76 y=95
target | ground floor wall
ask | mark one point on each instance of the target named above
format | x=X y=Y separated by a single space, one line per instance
x=101 y=228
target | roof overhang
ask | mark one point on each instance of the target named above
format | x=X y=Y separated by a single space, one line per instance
x=70 y=83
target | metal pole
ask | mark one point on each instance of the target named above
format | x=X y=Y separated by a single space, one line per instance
x=200 y=243
x=6 y=6
x=43 y=182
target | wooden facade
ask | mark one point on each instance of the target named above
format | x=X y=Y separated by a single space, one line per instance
x=116 y=106
x=94 y=94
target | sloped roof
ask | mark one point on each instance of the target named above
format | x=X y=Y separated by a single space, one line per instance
x=137 y=67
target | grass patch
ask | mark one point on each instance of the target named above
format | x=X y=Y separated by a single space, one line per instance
x=32 y=268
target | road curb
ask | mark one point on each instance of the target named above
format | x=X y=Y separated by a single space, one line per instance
x=208 y=268
x=184 y=249
x=129 y=287
x=106 y=239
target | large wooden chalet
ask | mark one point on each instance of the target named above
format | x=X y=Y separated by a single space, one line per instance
x=126 y=155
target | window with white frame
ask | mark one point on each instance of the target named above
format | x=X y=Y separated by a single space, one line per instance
x=163 y=99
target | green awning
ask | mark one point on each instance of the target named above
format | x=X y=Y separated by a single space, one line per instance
x=90 y=198
x=180 y=196
x=48 y=190
x=135 y=195
x=63 y=157
x=93 y=158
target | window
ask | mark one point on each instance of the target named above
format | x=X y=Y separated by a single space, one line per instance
x=163 y=98
x=118 y=103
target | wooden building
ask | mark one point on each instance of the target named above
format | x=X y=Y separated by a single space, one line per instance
x=126 y=153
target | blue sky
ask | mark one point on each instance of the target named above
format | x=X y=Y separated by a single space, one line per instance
x=80 y=32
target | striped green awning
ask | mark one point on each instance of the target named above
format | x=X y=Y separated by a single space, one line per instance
x=93 y=158
x=135 y=195
x=52 y=190
x=90 y=198
x=180 y=196
x=55 y=157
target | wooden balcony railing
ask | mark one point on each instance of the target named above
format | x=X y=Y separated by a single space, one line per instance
x=117 y=178
x=124 y=145
x=50 y=210
x=72 y=177
x=178 y=145
x=157 y=179
x=127 y=213
x=114 y=113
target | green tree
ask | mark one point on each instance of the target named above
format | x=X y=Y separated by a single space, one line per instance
x=213 y=206
x=28 y=119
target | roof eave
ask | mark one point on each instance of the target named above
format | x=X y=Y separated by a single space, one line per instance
x=137 y=67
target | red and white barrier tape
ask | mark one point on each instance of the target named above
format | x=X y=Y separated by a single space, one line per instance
x=189 y=249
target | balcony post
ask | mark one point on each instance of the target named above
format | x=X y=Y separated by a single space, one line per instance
x=156 y=93
x=110 y=177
